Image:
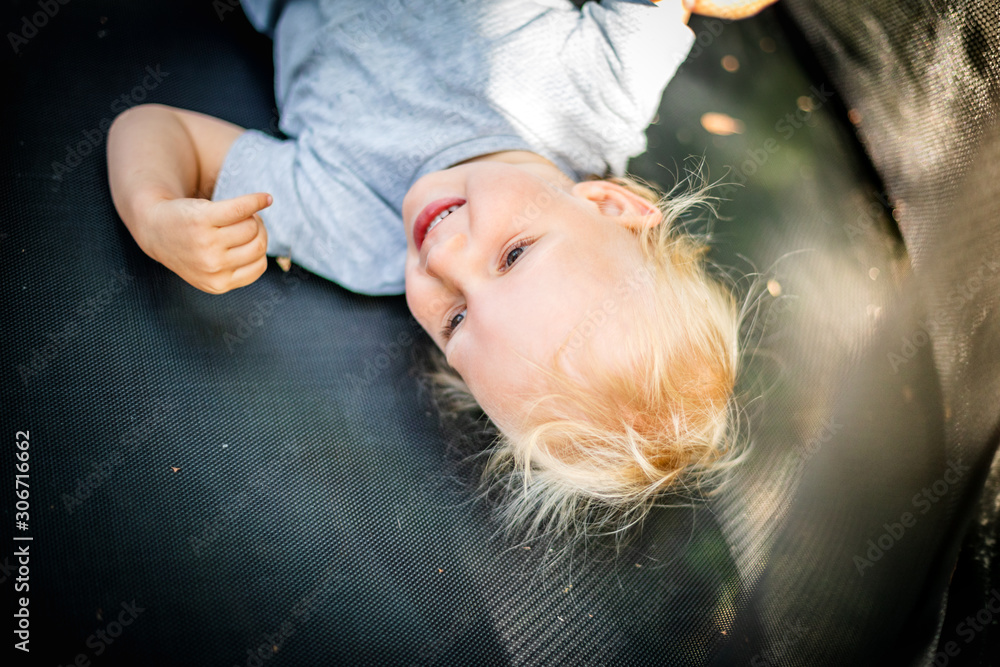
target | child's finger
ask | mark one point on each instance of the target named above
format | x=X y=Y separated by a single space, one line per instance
x=229 y=211
x=248 y=273
x=249 y=252
x=239 y=233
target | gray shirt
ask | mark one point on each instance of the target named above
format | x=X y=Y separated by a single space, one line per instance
x=375 y=94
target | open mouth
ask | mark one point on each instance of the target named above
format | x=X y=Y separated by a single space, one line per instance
x=432 y=214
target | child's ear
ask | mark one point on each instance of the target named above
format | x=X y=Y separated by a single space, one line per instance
x=627 y=208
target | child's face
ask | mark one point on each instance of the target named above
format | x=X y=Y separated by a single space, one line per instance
x=519 y=265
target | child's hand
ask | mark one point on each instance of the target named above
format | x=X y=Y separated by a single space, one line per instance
x=726 y=9
x=214 y=246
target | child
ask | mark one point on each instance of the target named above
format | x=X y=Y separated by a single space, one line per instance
x=445 y=147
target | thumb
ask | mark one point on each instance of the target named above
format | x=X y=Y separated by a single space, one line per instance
x=237 y=209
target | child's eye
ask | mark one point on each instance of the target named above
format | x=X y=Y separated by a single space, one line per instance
x=452 y=324
x=514 y=253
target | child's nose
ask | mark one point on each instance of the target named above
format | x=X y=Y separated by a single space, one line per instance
x=445 y=258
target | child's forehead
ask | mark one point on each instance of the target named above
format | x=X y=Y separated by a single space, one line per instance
x=602 y=341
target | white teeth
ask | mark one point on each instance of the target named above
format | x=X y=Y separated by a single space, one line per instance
x=441 y=216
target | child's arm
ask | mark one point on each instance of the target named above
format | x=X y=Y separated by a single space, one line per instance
x=162 y=166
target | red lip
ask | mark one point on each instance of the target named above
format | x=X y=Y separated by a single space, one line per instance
x=431 y=211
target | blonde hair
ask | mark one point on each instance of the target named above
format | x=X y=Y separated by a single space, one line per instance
x=663 y=421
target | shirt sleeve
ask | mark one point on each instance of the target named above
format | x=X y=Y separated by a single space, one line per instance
x=634 y=48
x=323 y=215
x=644 y=43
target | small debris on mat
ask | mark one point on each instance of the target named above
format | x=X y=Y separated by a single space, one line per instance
x=284 y=262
